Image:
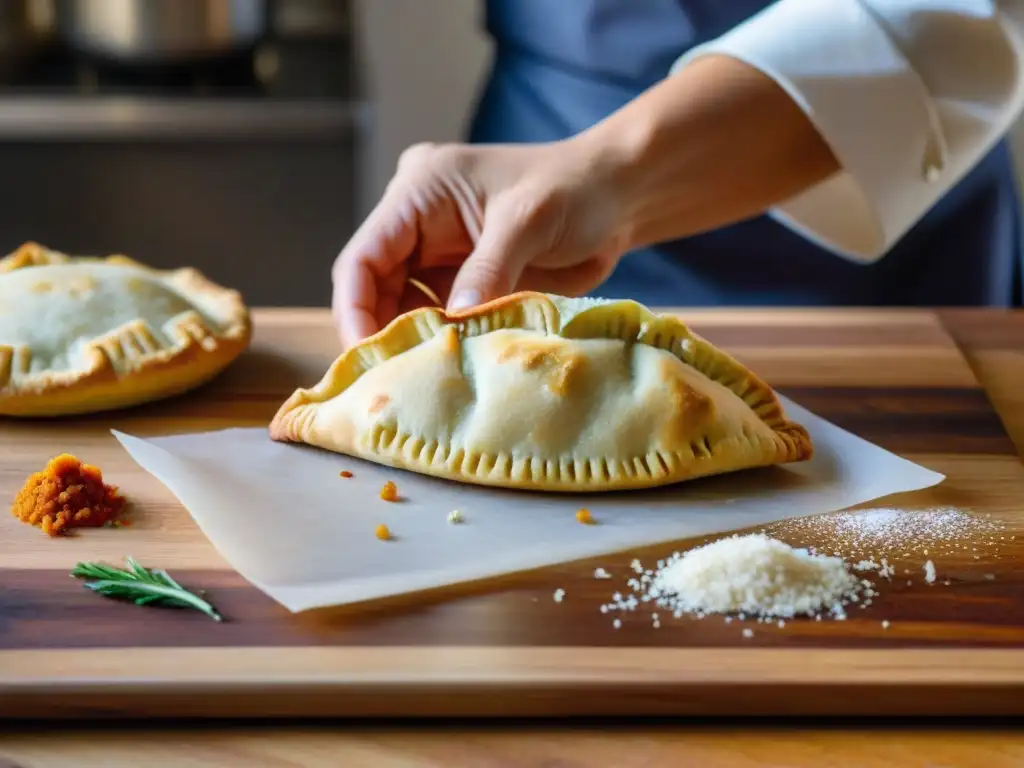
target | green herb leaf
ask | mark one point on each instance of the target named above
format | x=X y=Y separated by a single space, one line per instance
x=141 y=586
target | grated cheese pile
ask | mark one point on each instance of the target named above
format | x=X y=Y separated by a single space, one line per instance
x=748 y=575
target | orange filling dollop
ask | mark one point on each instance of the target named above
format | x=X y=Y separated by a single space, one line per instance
x=389 y=492
x=67 y=494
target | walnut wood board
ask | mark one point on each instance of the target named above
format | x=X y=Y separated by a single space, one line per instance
x=897 y=378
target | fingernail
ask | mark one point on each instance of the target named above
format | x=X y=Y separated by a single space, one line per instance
x=464 y=300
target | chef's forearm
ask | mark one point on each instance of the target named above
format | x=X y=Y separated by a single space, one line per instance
x=715 y=143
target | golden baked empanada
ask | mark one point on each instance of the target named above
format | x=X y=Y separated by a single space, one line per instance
x=542 y=392
x=80 y=335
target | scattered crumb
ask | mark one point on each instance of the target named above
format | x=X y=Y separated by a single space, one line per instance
x=345 y=473
x=885 y=624
x=389 y=492
x=988 y=577
x=617 y=623
x=583 y=516
x=748 y=632
x=382 y=532
x=559 y=595
x=929 y=572
x=455 y=516
x=601 y=573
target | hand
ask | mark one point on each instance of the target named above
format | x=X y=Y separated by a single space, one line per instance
x=475 y=223
x=717 y=142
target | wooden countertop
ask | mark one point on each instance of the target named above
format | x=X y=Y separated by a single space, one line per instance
x=852 y=353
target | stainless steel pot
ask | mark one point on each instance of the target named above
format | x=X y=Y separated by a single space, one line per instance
x=159 y=31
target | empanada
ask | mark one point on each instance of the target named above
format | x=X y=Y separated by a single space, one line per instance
x=542 y=392
x=79 y=335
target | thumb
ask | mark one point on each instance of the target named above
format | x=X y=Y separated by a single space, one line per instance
x=493 y=268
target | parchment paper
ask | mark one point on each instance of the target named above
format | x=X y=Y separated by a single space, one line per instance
x=284 y=519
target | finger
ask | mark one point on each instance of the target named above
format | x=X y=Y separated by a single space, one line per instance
x=386 y=239
x=389 y=293
x=354 y=305
x=576 y=280
x=493 y=268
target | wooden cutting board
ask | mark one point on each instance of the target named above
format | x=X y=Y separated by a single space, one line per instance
x=506 y=647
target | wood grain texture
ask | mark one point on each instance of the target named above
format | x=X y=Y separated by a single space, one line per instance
x=567 y=746
x=419 y=683
x=897 y=378
x=992 y=341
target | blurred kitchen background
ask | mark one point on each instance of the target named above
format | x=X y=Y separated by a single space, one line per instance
x=246 y=138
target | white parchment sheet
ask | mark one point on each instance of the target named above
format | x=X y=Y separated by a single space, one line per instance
x=286 y=521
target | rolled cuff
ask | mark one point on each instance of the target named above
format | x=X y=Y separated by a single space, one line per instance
x=870 y=106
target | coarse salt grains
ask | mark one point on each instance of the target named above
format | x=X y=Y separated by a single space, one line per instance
x=929 y=572
x=754 y=574
x=751 y=575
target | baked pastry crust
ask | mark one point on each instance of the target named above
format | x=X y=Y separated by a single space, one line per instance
x=82 y=334
x=541 y=392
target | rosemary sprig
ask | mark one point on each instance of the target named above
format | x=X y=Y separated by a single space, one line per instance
x=141 y=586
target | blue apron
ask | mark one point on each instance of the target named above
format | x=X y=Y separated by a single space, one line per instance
x=560 y=67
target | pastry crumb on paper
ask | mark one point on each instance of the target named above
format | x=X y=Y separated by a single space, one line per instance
x=275 y=513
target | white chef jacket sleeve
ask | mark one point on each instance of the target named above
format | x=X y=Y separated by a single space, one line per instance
x=909 y=95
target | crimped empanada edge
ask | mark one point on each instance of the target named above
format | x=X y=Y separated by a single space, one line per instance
x=538 y=311
x=389 y=447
